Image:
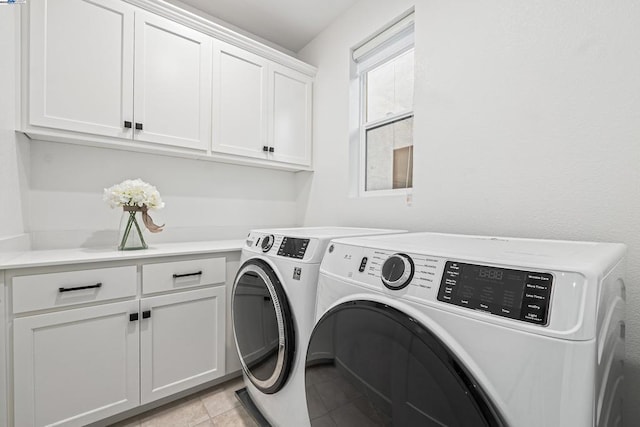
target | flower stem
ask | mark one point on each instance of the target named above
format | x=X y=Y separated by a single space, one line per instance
x=127 y=230
x=135 y=222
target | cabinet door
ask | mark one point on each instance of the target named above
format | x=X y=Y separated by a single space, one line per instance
x=3 y=358
x=182 y=341
x=172 y=83
x=76 y=366
x=81 y=66
x=239 y=101
x=290 y=125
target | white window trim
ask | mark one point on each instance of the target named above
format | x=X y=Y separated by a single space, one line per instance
x=397 y=45
x=384 y=36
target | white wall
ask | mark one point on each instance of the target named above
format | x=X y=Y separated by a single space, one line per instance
x=14 y=152
x=204 y=200
x=527 y=123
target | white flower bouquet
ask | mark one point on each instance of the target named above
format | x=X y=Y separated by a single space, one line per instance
x=134 y=195
x=133 y=192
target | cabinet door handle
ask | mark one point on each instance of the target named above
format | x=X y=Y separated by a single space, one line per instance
x=271 y=149
x=265 y=148
x=197 y=273
x=127 y=124
x=146 y=314
x=79 y=288
x=138 y=126
x=133 y=317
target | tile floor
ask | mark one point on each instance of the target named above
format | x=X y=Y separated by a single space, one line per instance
x=334 y=401
x=217 y=406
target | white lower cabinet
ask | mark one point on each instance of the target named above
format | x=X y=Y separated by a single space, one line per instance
x=92 y=343
x=76 y=366
x=181 y=341
x=4 y=413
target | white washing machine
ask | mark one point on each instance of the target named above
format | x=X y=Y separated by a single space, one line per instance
x=273 y=307
x=426 y=329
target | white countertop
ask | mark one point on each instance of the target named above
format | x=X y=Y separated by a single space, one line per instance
x=26 y=259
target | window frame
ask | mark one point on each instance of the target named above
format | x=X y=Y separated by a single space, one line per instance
x=388 y=51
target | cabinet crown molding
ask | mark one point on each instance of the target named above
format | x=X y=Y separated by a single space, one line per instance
x=220 y=32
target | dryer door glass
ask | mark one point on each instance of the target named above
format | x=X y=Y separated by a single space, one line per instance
x=373 y=363
x=262 y=325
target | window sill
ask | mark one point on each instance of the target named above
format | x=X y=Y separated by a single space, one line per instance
x=398 y=192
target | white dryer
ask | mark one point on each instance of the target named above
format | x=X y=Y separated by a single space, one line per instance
x=273 y=307
x=427 y=329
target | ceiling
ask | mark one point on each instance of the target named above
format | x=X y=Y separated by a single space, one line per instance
x=288 y=23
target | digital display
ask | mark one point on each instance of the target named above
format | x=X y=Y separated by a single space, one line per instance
x=292 y=247
x=516 y=294
x=489 y=273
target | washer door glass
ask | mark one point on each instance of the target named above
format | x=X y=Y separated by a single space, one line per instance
x=379 y=366
x=263 y=326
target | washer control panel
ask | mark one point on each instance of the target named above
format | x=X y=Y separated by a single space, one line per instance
x=516 y=294
x=543 y=300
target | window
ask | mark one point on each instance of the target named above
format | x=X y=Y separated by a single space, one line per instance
x=384 y=69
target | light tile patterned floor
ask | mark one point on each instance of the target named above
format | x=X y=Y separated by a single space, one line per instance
x=216 y=406
x=333 y=401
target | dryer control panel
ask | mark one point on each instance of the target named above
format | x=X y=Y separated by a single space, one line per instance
x=516 y=294
x=282 y=246
x=292 y=247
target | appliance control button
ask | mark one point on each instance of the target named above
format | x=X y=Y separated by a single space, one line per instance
x=537 y=287
x=267 y=242
x=363 y=264
x=397 y=271
x=532 y=317
x=539 y=277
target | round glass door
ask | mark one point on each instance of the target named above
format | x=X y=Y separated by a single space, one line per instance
x=384 y=368
x=262 y=326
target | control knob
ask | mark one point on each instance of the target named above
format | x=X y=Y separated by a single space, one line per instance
x=267 y=242
x=397 y=271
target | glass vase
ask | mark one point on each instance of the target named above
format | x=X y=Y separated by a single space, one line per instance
x=130 y=236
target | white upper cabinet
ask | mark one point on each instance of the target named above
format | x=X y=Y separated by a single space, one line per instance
x=82 y=73
x=148 y=77
x=240 y=101
x=290 y=125
x=81 y=66
x=172 y=83
x=261 y=109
